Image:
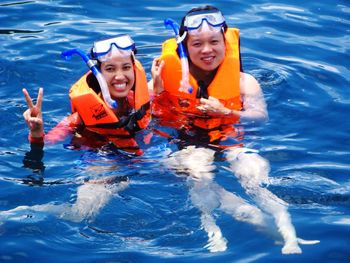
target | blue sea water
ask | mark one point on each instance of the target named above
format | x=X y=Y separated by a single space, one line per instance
x=299 y=52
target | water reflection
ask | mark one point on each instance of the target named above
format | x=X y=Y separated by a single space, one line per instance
x=252 y=172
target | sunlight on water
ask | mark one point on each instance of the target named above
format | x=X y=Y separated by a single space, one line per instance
x=287 y=188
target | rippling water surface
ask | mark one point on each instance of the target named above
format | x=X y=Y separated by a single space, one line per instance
x=300 y=54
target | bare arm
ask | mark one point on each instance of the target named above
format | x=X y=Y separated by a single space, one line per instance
x=254 y=106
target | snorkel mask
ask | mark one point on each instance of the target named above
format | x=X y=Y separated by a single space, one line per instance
x=194 y=22
x=102 y=51
x=121 y=45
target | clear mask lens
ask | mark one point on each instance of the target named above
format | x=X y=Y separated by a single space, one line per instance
x=204 y=27
x=114 y=52
x=196 y=19
x=121 y=45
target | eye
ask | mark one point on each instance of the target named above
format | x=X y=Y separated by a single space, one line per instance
x=215 y=41
x=196 y=44
x=127 y=67
x=109 y=68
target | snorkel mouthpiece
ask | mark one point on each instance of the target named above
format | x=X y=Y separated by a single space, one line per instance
x=184 y=83
x=67 y=55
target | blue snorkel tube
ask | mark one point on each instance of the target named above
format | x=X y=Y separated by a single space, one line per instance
x=185 y=83
x=67 y=55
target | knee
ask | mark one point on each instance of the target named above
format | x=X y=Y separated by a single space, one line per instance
x=249 y=166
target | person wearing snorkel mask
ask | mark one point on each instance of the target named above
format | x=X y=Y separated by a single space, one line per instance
x=220 y=87
x=204 y=106
x=110 y=104
x=113 y=103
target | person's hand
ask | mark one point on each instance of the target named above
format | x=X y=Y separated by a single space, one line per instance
x=157 y=67
x=213 y=107
x=33 y=115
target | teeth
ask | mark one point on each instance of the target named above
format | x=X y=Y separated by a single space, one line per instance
x=120 y=86
x=208 y=58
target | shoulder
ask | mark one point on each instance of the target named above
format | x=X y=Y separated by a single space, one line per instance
x=249 y=85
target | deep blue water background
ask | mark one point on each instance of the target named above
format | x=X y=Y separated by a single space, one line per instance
x=300 y=54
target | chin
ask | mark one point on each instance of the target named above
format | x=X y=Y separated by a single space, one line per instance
x=119 y=95
x=209 y=67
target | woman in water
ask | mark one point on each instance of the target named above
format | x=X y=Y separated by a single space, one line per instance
x=94 y=122
x=126 y=84
x=203 y=105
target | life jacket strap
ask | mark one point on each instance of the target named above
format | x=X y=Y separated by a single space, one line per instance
x=202 y=91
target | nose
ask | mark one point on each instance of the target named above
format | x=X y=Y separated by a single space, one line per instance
x=118 y=75
x=206 y=48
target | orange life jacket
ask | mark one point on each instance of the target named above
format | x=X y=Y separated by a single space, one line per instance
x=99 y=118
x=225 y=85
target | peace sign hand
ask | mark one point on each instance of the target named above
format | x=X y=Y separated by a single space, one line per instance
x=33 y=115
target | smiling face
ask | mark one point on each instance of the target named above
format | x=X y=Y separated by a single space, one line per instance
x=119 y=74
x=206 y=49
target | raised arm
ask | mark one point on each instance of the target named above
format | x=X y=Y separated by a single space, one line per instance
x=155 y=85
x=34 y=119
